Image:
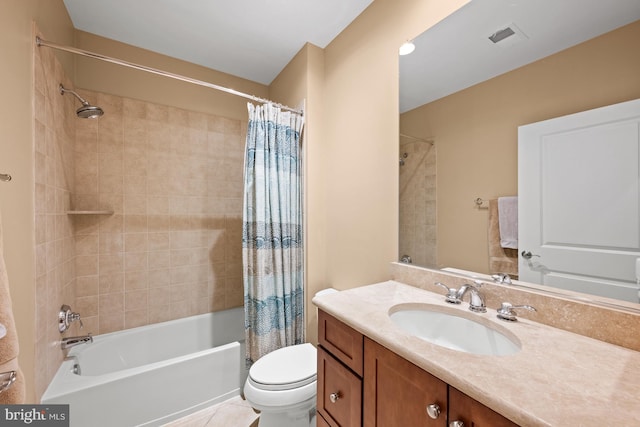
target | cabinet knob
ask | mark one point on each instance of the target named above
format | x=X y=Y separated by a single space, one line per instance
x=433 y=410
x=456 y=424
x=333 y=397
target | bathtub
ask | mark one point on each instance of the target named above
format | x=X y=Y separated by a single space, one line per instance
x=150 y=375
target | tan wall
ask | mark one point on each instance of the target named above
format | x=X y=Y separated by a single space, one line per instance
x=16 y=156
x=360 y=140
x=417 y=202
x=54 y=144
x=477 y=144
x=172 y=247
x=303 y=78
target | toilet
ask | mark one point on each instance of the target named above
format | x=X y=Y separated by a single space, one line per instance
x=282 y=385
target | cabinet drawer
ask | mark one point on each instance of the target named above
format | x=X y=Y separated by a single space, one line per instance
x=471 y=412
x=339 y=393
x=342 y=341
x=344 y=408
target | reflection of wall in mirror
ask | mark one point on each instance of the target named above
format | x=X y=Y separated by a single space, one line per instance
x=417 y=201
x=476 y=130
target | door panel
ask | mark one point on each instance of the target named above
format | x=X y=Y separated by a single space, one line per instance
x=579 y=201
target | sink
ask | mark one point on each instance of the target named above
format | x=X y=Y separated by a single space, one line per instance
x=453 y=329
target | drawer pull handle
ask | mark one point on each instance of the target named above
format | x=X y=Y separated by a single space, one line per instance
x=333 y=397
x=456 y=424
x=433 y=410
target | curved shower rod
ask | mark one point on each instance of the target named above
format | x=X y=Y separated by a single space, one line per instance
x=82 y=52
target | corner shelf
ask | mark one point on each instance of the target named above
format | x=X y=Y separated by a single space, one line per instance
x=89 y=212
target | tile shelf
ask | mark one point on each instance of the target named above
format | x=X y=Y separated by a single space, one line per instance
x=90 y=212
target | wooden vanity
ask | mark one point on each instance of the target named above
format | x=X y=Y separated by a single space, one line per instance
x=361 y=383
x=371 y=373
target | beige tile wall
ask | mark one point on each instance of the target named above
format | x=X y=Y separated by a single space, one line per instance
x=418 y=203
x=53 y=121
x=172 y=247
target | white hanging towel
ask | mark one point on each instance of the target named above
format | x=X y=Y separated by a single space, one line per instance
x=508 y=221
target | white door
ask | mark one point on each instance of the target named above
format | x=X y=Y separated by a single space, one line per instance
x=579 y=201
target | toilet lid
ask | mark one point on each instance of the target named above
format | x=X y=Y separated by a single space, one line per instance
x=285 y=368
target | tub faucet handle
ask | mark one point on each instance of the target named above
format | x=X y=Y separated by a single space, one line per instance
x=66 y=317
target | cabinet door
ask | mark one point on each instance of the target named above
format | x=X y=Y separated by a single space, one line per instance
x=339 y=399
x=473 y=413
x=342 y=341
x=321 y=422
x=397 y=392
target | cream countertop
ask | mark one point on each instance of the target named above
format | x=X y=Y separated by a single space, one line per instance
x=557 y=379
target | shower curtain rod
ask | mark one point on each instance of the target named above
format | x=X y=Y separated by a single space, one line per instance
x=41 y=42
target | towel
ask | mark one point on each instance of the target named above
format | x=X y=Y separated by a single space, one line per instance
x=501 y=260
x=508 y=221
x=9 y=344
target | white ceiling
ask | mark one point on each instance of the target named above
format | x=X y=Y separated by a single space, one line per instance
x=456 y=53
x=253 y=39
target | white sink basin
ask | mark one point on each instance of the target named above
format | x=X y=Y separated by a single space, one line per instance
x=448 y=328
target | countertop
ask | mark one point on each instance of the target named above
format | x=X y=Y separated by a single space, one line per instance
x=558 y=378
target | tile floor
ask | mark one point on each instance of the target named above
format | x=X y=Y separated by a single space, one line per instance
x=234 y=412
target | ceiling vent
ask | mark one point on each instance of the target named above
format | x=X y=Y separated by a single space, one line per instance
x=508 y=36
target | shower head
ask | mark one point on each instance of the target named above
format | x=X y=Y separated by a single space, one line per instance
x=87 y=111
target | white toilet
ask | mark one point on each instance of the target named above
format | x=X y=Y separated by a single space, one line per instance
x=282 y=386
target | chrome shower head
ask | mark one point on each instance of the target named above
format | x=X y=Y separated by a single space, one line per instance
x=87 y=111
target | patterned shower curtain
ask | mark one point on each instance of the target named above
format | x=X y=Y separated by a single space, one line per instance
x=272 y=251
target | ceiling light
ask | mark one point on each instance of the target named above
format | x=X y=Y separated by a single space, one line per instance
x=407 y=48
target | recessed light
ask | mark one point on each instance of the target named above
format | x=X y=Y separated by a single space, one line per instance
x=406 y=48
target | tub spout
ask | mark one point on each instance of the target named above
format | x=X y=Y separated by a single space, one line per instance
x=73 y=341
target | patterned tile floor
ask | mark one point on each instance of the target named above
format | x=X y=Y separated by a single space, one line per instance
x=234 y=412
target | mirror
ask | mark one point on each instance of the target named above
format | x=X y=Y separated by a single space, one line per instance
x=463 y=98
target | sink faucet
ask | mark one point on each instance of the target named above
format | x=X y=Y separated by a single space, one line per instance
x=454 y=296
x=74 y=341
x=502 y=278
x=506 y=312
x=476 y=300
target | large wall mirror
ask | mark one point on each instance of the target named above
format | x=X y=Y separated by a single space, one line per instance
x=463 y=97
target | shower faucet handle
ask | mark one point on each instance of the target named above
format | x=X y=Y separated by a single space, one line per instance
x=66 y=317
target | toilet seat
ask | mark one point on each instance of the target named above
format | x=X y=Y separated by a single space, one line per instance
x=285 y=369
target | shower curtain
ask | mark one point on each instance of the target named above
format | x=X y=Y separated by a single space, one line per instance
x=272 y=250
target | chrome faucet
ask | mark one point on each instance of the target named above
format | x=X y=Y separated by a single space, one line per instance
x=74 y=341
x=476 y=300
x=506 y=312
x=454 y=296
x=66 y=317
x=502 y=278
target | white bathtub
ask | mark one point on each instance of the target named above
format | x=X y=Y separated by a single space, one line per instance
x=153 y=374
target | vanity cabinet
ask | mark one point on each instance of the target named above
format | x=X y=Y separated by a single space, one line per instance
x=473 y=413
x=361 y=383
x=340 y=366
x=397 y=392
